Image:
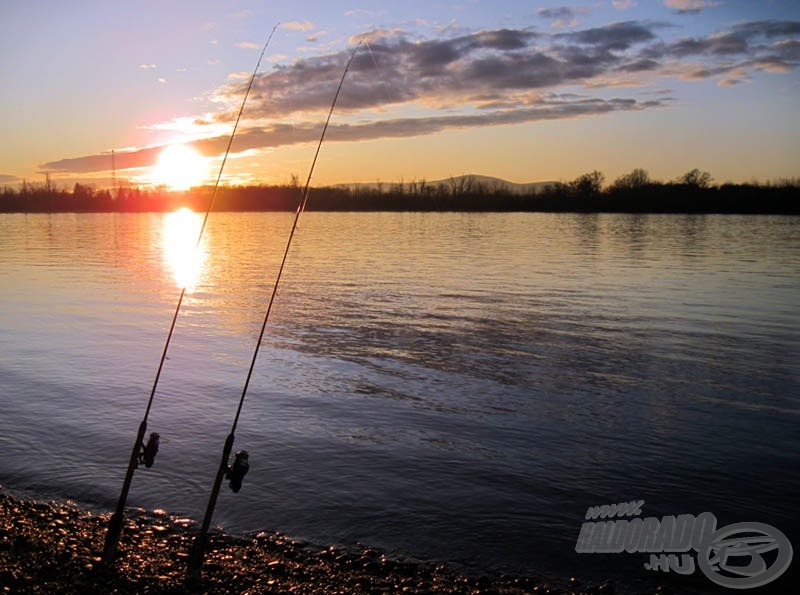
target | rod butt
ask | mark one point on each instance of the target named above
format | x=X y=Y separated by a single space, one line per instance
x=112 y=538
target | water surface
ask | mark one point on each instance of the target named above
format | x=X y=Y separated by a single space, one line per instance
x=453 y=386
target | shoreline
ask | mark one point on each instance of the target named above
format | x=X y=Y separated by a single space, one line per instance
x=55 y=546
x=634 y=193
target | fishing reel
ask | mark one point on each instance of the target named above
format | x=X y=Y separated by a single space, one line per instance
x=238 y=470
x=147 y=452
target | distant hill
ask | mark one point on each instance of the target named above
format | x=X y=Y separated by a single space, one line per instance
x=464 y=181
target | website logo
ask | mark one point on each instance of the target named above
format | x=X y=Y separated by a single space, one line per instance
x=738 y=556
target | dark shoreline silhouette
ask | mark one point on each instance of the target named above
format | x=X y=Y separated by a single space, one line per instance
x=631 y=193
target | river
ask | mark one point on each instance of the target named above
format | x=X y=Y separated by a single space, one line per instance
x=456 y=387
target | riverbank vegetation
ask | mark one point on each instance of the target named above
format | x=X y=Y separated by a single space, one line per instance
x=634 y=192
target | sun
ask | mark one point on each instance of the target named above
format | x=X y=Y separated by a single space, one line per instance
x=179 y=168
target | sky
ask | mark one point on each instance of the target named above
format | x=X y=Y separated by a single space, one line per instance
x=521 y=90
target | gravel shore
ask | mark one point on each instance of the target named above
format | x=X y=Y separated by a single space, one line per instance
x=54 y=547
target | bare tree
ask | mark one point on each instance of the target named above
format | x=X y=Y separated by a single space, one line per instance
x=638 y=178
x=696 y=178
x=589 y=184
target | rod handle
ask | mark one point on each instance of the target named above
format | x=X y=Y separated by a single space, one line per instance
x=198 y=552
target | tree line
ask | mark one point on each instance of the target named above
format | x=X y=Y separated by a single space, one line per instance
x=634 y=192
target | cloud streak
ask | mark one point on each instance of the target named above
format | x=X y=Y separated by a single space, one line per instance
x=476 y=79
x=298 y=26
x=689 y=6
x=277 y=135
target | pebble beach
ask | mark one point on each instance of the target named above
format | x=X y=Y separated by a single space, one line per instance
x=54 y=547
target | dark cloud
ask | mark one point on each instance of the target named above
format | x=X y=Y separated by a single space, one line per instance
x=464 y=70
x=758 y=45
x=721 y=45
x=504 y=39
x=8 y=179
x=102 y=161
x=478 y=79
x=406 y=71
x=729 y=43
x=557 y=14
x=684 y=47
x=689 y=10
x=562 y=16
x=613 y=37
x=431 y=58
x=742 y=40
x=769 y=29
x=640 y=65
x=524 y=72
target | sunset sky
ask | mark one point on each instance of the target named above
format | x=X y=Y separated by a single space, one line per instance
x=525 y=91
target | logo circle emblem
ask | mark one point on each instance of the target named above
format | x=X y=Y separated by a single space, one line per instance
x=732 y=555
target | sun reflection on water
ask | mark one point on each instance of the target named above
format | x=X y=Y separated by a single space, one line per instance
x=181 y=252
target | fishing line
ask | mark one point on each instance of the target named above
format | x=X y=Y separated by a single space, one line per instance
x=240 y=466
x=380 y=71
x=142 y=453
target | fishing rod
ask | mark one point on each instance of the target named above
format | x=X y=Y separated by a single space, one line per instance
x=146 y=453
x=236 y=471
